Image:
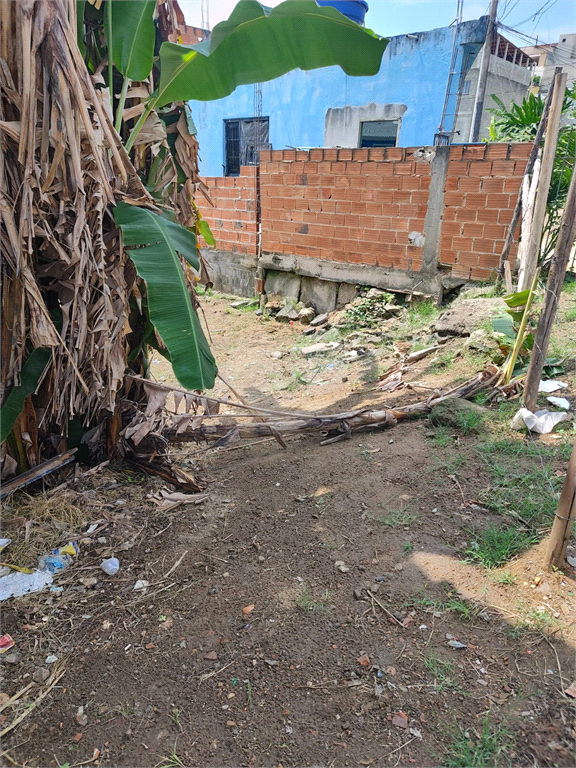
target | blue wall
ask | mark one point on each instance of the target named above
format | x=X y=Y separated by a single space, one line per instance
x=413 y=72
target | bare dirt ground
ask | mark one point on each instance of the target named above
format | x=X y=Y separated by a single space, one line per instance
x=306 y=612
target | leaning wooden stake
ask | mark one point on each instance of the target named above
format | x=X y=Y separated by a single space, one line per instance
x=564 y=520
x=551 y=297
x=528 y=271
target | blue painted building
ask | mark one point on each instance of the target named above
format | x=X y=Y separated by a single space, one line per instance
x=403 y=105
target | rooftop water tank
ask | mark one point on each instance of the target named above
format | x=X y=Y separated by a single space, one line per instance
x=353 y=9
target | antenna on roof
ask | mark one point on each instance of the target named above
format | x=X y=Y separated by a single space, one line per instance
x=205 y=14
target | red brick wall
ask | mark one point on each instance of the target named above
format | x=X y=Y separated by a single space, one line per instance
x=360 y=205
x=233 y=219
x=482 y=186
x=350 y=205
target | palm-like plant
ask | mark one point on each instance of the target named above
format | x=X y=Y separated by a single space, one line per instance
x=519 y=122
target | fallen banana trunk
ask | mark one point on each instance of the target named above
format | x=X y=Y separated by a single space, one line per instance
x=331 y=427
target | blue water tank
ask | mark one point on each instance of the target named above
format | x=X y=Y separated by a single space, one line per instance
x=354 y=9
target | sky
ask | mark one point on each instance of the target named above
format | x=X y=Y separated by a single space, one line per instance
x=544 y=19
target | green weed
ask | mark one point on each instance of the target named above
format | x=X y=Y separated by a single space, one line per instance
x=469 y=421
x=172 y=760
x=461 y=608
x=442 y=671
x=570 y=315
x=470 y=749
x=442 y=437
x=497 y=544
x=505 y=577
x=408 y=548
x=369 y=313
x=444 y=361
x=307 y=603
x=396 y=518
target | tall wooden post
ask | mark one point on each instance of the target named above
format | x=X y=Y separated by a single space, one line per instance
x=551 y=297
x=527 y=274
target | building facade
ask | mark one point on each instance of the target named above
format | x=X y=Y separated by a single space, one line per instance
x=423 y=94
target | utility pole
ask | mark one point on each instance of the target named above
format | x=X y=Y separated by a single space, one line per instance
x=483 y=74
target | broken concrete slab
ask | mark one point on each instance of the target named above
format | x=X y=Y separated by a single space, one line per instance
x=282 y=284
x=464 y=317
x=347 y=292
x=321 y=294
x=320 y=348
x=319 y=320
x=287 y=313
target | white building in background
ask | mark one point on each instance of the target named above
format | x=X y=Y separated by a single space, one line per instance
x=549 y=56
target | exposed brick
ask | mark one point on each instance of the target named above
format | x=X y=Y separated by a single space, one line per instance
x=448 y=256
x=405 y=168
x=493 y=185
x=520 y=151
x=344 y=154
x=456 y=153
x=471 y=229
x=497 y=151
x=466 y=214
x=503 y=168
x=462 y=243
x=487 y=216
x=377 y=153
x=360 y=155
x=315 y=154
x=468 y=258
x=330 y=154
x=484 y=245
x=497 y=201
x=395 y=153
x=265 y=155
x=474 y=152
x=469 y=184
x=475 y=200
x=453 y=198
x=513 y=185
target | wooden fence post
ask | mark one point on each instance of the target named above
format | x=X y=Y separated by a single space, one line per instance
x=551 y=297
x=526 y=274
x=564 y=520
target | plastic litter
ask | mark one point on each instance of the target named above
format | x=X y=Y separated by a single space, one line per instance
x=541 y=422
x=111 y=566
x=457 y=644
x=551 y=386
x=141 y=584
x=16 y=584
x=6 y=643
x=4 y=543
x=51 y=659
x=22 y=581
x=559 y=402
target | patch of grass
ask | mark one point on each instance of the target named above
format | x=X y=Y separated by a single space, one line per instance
x=498 y=544
x=449 y=464
x=396 y=518
x=505 y=577
x=423 y=311
x=535 y=620
x=481 y=398
x=307 y=603
x=172 y=760
x=469 y=421
x=442 y=437
x=442 y=671
x=408 y=548
x=473 y=749
x=444 y=361
x=570 y=315
x=461 y=608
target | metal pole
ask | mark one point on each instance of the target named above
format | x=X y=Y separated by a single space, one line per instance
x=483 y=74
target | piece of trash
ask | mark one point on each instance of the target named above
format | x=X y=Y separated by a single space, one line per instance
x=551 y=386
x=571 y=690
x=248 y=609
x=400 y=720
x=542 y=422
x=571 y=561
x=271 y=662
x=6 y=643
x=363 y=660
x=415 y=732
x=57 y=590
x=4 y=543
x=457 y=644
x=78 y=737
x=51 y=659
x=422 y=626
x=559 y=402
x=17 y=583
x=81 y=718
x=141 y=584
x=111 y=566
x=58 y=559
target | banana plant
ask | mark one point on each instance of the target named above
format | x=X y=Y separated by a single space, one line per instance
x=254 y=45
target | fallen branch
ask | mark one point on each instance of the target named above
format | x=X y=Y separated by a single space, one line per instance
x=36 y=473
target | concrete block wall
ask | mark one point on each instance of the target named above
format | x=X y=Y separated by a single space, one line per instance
x=234 y=217
x=481 y=190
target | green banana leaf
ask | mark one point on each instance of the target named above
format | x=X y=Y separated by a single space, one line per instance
x=517 y=299
x=205 y=231
x=154 y=244
x=133 y=37
x=32 y=370
x=257 y=44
